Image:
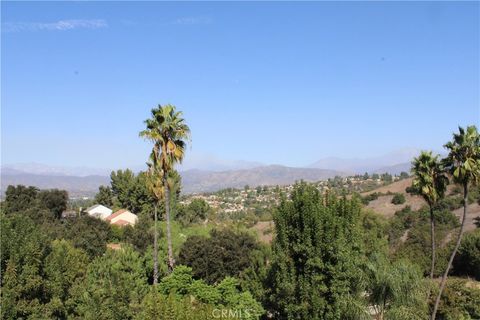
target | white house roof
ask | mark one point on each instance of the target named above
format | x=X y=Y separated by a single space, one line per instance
x=97 y=206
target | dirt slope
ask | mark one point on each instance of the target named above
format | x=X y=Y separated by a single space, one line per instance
x=264 y=230
x=473 y=212
x=384 y=206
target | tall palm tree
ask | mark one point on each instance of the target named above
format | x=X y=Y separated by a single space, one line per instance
x=155 y=185
x=463 y=163
x=430 y=182
x=168 y=132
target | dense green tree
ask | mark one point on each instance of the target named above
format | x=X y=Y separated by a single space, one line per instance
x=196 y=211
x=54 y=201
x=114 y=286
x=430 y=182
x=168 y=131
x=89 y=234
x=139 y=236
x=224 y=253
x=130 y=191
x=63 y=267
x=463 y=163
x=317 y=253
x=20 y=198
x=40 y=205
x=23 y=248
x=105 y=196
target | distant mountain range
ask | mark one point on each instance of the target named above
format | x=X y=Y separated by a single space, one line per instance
x=391 y=162
x=192 y=180
x=76 y=186
x=211 y=174
x=207 y=181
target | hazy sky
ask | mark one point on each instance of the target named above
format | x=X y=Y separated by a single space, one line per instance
x=274 y=82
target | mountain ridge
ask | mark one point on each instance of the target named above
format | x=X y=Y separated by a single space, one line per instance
x=209 y=177
x=193 y=180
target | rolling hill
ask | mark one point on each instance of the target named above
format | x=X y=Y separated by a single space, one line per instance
x=192 y=180
x=207 y=181
x=76 y=186
x=393 y=163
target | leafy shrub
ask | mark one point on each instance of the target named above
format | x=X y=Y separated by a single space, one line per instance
x=372 y=196
x=411 y=190
x=225 y=294
x=459 y=301
x=395 y=290
x=467 y=260
x=159 y=306
x=398 y=198
x=449 y=203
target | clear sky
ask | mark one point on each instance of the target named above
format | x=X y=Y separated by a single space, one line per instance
x=275 y=82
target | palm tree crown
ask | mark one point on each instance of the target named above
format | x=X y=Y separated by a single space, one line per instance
x=463 y=160
x=429 y=179
x=169 y=133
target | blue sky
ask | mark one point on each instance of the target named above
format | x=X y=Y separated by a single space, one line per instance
x=274 y=82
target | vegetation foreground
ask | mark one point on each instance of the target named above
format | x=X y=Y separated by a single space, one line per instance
x=331 y=256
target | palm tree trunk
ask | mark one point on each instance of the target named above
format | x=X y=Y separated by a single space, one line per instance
x=171 y=261
x=457 y=245
x=155 y=250
x=432 y=233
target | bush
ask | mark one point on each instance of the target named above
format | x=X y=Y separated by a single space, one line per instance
x=225 y=294
x=225 y=253
x=159 y=306
x=398 y=198
x=449 y=203
x=411 y=190
x=372 y=196
x=459 y=301
x=467 y=260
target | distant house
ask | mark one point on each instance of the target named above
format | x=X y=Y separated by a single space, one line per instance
x=69 y=214
x=122 y=218
x=99 y=211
